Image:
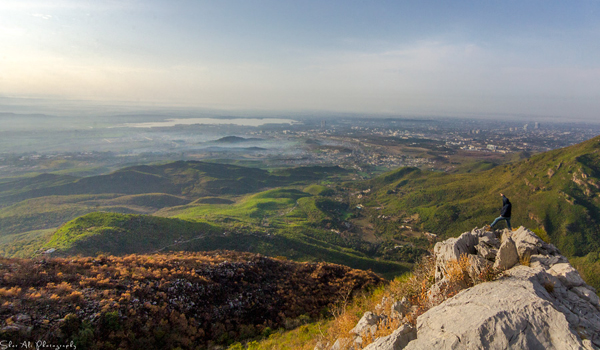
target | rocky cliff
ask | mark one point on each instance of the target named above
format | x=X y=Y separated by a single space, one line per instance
x=535 y=300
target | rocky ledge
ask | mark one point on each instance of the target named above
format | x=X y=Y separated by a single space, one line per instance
x=539 y=301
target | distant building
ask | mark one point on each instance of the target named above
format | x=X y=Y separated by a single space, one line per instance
x=491 y=147
x=525 y=127
x=537 y=125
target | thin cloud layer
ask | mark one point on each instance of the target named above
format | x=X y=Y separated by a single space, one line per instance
x=311 y=57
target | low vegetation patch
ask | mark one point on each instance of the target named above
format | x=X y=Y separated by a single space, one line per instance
x=163 y=301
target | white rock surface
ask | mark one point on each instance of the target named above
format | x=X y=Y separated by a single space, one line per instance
x=515 y=312
x=367 y=323
x=486 y=251
x=507 y=256
x=395 y=341
x=567 y=274
x=341 y=343
x=399 y=308
x=528 y=243
x=544 y=306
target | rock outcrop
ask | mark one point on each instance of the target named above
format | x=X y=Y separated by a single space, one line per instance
x=397 y=340
x=527 y=309
x=539 y=302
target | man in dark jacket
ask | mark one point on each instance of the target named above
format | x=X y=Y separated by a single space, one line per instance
x=505 y=213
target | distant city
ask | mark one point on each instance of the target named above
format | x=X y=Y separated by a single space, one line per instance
x=368 y=146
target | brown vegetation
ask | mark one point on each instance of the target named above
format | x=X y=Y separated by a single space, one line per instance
x=187 y=300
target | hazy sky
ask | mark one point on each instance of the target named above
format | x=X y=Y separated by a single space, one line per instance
x=406 y=57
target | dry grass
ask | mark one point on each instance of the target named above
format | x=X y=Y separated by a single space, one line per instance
x=457 y=275
x=348 y=312
x=416 y=288
x=144 y=292
x=525 y=260
x=549 y=287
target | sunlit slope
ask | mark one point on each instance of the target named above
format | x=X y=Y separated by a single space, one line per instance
x=52 y=211
x=46 y=201
x=123 y=234
x=282 y=208
x=557 y=192
x=274 y=223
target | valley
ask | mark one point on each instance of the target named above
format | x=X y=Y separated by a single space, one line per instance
x=359 y=212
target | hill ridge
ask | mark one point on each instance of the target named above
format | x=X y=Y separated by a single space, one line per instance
x=533 y=299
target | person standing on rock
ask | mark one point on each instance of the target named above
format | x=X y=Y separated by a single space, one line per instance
x=504 y=213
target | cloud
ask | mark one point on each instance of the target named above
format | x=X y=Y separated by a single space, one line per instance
x=61 y=5
x=431 y=77
x=40 y=15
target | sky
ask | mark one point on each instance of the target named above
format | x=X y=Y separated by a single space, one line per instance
x=448 y=58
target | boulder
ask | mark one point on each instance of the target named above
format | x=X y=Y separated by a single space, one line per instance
x=452 y=249
x=567 y=275
x=528 y=243
x=490 y=239
x=395 y=341
x=477 y=265
x=515 y=312
x=486 y=251
x=367 y=323
x=341 y=343
x=400 y=308
x=507 y=256
x=546 y=261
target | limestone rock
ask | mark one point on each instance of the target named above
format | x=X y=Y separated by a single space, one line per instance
x=528 y=243
x=477 y=265
x=400 y=308
x=341 y=343
x=486 y=251
x=546 y=261
x=367 y=323
x=515 y=312
x=544 y=306
x=320 y=346
x=567 y=275
x=490 y=239
x=395 y=341
x=588 y=294
x=452 y=249
x=507 y=256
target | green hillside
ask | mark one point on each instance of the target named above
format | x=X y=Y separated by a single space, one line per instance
x=29 y=204
x=124 y=234
x=307 y=213
x=557 y=192
x=280 y=222
x=181 y=178
x=120 y=234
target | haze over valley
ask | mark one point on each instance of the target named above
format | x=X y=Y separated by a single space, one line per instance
x=268 y=175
